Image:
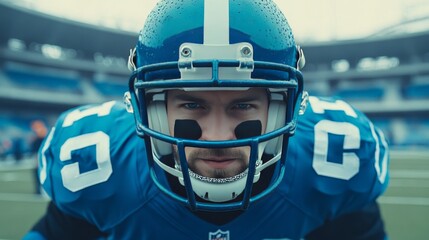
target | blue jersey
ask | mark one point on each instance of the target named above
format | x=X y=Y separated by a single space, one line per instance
x=92 y=166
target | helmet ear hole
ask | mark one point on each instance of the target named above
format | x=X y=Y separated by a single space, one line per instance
x=276 y=119
x=157 y=115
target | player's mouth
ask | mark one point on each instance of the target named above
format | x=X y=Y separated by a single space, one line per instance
x=218 y=162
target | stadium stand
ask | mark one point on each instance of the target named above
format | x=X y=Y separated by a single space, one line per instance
x=418 y=88
x=110 y=86
x=417 y=133
x=361 y=94
x=49 y=68
x=42 y=78
x=110 y=89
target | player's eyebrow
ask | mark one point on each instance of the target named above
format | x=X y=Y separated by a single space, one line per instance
x=250 y=97
x=189 y=98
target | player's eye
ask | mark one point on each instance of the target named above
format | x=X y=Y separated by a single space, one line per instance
x=242 y=106
x=192 y=105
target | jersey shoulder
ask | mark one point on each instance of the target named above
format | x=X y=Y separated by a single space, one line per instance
x=90 y=161
x=337 y=156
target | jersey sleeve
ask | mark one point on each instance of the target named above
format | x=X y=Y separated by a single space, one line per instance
x=339 y=160
x=90 y=161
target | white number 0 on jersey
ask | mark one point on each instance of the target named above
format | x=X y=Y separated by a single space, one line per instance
x=72 y=178
x=351 y=162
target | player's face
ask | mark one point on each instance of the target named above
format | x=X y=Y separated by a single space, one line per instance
x=218 y=113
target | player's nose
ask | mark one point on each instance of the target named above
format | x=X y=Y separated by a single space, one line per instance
x=218 y=127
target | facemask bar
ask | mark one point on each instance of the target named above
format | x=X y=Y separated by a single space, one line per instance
x=293 y=86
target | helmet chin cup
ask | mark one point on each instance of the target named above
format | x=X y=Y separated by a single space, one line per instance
x=219 y=190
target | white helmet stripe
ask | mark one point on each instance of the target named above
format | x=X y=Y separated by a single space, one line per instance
x=216 y=22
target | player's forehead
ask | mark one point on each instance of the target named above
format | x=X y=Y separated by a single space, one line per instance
x=252 y=94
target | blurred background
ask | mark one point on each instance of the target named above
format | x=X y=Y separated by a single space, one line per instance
x=55 y=55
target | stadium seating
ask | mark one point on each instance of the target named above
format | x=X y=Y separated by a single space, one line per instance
x=43 y=80
x=111 y=89
x=384 y=124
x=417 y=133
x=416 y=91
x=370 y=93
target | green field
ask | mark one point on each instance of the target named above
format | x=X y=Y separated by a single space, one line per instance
x=405 y=205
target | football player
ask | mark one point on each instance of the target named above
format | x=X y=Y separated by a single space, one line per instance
x=216 y=139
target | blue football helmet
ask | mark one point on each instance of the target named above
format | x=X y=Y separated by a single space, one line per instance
x=209 y=45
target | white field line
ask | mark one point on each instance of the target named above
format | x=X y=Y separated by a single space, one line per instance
x=409 y=184
x=420 y=174
x=23 y=197
x=395 y=200
x=417 y=154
